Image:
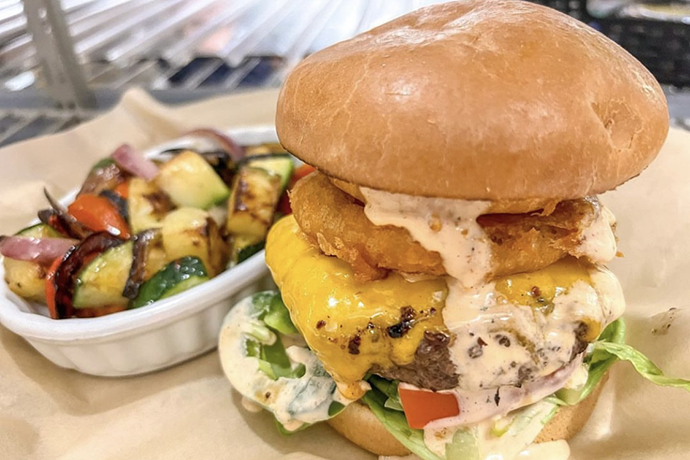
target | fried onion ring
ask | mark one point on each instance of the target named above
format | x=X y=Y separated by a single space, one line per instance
x=335 y=221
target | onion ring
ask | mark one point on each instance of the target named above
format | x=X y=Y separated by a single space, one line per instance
x=336 y=222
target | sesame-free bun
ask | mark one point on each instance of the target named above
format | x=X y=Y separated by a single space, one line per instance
x=481 y=99
x=358 y=424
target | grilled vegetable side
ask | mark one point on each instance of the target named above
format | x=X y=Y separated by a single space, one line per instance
x=141 y=230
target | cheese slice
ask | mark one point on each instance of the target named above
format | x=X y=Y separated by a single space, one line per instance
x=351 y=325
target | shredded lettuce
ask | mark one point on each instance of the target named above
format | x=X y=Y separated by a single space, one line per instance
x=598 y=363
x=270 y=319
x=269 y=308
x=265 y=323
x=390 y=389
x=643 y=365
x=464 y=446
x=609 y=348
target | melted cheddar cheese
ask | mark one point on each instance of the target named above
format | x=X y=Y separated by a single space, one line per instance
x=350 y=325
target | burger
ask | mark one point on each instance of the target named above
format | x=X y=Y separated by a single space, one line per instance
x=442 y=279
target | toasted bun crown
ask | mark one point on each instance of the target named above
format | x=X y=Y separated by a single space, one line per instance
x=481 y=99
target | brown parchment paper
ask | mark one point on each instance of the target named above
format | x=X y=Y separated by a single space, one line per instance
x=190 y=412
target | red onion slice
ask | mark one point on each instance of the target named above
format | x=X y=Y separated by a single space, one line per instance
x=236 y=152
x=40 y=250
x=133 y=162
x=476 y=406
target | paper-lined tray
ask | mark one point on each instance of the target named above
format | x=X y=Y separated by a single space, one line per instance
x=190 y=411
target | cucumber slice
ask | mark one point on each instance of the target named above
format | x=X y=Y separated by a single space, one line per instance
x=102 y=281
x=279 y=164
x=39 y=231
x=179 y=275
x=190 y=181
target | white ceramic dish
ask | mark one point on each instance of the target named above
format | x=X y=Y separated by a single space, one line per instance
x=150 y=338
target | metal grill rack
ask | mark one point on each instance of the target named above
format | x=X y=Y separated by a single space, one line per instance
x=190 y=44
x=181 y=50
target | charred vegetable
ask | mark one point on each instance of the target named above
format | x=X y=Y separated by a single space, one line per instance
x=149 y=258
x=118 y=201
x=147 y=205
x=280 y=164
x=253 y=202
x=61 y=220
x=99 y=215
x=176 y=277
x=134 y=163
x=190 y=181
x=222 y=140
x=248 y=251
x=63 y=283
x=104 y=175
x=192 y=232
x=102 y=281
x=24 y=278
x=243 y=247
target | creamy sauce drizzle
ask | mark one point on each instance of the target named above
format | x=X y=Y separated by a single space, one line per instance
x=444 y=225
x=598 y=241
x=477 y=406
x=501 y=343
x=483 y=442
x=294 y=401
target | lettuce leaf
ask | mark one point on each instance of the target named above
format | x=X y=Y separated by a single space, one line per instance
x=269 y=308
x=609 y=348
x=390 y=389
x=396 y=423
x=265 y=323
x=643 y=365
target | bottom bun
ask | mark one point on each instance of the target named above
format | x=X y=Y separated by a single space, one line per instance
x=358 y=424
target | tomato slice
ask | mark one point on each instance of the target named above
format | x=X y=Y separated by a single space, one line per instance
x=50 y=288
x=99 y=215
x=424 y=406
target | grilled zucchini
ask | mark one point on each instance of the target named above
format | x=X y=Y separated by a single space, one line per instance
x=244 y=247
x=179 y=275
x=147 y=204
x=102 y=281
x=27 y=279
x=252 y=203
x=191 y=182
x=281 y=165
x=192 y=232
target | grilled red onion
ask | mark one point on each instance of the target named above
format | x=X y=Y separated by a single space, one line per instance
x=40 y=250
x=236 y=152
x=131 y=161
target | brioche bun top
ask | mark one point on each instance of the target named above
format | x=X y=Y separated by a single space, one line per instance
x=479 y=100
